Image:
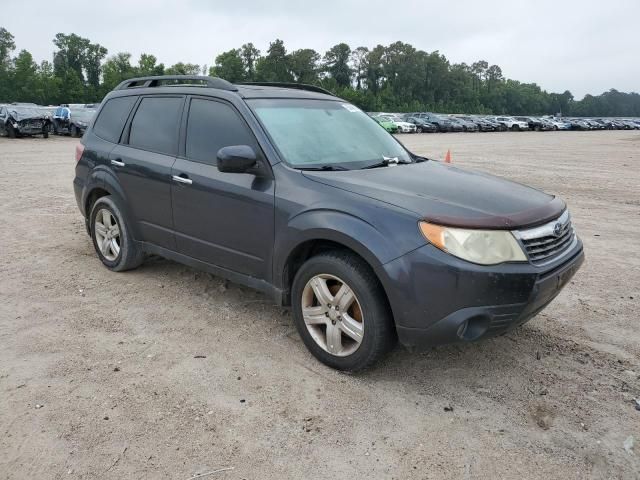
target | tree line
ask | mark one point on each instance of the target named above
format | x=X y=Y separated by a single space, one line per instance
x=397 y=78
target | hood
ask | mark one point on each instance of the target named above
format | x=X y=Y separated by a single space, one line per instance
x=21 y=113
x=447 y=195
x=403 y=124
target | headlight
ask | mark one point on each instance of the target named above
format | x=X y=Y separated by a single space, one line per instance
x=486 y=247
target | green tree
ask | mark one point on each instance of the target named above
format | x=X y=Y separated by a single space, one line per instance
x=148 y=66
x=336 y=64
x=250 y=55
x=303 y=65
x=274 y=67
x=183 y=69
x=229 y=65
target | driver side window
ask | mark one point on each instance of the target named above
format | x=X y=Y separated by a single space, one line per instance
x=212 y=125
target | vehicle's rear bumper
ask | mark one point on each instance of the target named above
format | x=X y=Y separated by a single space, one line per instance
x=437 y=303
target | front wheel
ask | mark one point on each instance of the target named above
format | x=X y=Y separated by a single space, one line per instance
x=340 y=311
x=11 y=132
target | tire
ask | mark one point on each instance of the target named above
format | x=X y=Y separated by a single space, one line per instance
x=45 y=133
x=368 y=310
x=11 y=132
x=515 y=128
x=129 y=255
x=75 y=131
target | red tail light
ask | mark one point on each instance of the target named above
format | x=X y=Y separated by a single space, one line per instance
x=79 y=151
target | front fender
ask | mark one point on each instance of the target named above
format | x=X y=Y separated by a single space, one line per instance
x=373 y=243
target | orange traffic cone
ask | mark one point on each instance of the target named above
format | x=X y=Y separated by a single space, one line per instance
x=447 y=159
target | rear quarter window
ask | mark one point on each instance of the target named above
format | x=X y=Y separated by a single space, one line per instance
x=112 y=118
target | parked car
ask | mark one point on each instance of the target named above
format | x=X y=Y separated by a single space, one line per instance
x=301 y=195
x=511 y=123
x=578 y=124
x=442 y=123
x=422 y=125
x=482 y=124
x=71 y=120
x=17 y=120
x=497 y=125
x=532 y=123
x=388 y=125
x=559 y=123
x=466 y=125
x=403 y=127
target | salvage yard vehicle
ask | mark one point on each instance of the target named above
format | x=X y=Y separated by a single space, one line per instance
x=422 y=125
x=388 y=125
x=301 y=195
x=19 y=120
x=71 y=120
x=512 y=124
x=401 y=125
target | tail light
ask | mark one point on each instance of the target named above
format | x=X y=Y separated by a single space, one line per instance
x=79 y=151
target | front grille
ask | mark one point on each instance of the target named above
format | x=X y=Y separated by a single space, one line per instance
x=545 y=243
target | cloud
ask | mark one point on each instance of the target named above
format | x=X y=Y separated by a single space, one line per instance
x=587 y=46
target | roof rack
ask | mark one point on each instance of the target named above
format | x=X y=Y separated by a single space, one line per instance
x=158 y=81
x=298 y=86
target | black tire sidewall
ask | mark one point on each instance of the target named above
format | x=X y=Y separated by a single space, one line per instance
x=379 y=333
x=127 y=258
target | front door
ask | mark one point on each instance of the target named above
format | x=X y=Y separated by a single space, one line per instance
x=225 y=219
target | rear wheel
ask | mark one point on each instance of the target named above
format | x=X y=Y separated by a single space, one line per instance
x=112 y=237
x=340 y=311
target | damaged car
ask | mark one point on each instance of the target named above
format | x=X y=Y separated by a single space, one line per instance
x=20 y=120
x=71 y=121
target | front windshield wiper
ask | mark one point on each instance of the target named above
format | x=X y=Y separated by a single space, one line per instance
x=386 y=161
x=325 y=168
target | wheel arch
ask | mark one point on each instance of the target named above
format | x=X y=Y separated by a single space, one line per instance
x=107 y=184
x=320 y=231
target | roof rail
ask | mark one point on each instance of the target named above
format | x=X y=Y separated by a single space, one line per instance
x=298 y=86
x=158 y=81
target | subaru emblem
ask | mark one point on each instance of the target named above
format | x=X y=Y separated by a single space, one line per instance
x=557 y=229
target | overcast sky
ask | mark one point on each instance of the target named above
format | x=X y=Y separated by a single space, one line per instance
x=585 y=46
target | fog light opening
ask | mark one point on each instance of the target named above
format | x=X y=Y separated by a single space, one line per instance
x=473 y=328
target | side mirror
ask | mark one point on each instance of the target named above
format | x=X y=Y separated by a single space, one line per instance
x=236 y=159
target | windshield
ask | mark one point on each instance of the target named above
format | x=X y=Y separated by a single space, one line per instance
x=317 y=133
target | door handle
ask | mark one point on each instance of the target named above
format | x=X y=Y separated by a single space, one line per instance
x=117 y=163
x=179 y=179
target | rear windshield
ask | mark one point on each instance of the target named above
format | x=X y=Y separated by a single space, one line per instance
x=317 y=133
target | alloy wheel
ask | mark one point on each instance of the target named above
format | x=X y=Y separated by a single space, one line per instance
x=107 y=234
x=332 y=315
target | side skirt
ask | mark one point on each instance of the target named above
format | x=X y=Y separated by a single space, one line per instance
x=276 y=294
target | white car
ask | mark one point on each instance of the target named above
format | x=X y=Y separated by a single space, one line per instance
x=558 y=124
x=403 y=127
x=511 y=123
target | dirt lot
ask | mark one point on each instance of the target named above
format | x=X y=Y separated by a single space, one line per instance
x=166 y=372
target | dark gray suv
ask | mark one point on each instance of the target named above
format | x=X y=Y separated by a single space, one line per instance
x=292 y=191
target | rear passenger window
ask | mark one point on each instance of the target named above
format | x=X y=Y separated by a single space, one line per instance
x=212 y=125
x=155 y=125
x=110 y=122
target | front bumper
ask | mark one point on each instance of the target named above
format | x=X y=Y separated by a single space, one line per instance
x=34 y=127
x=438 y=299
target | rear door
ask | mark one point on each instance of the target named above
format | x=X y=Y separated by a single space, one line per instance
x=143 y=161
x=225 y=219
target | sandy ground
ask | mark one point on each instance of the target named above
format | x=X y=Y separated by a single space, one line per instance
x=166 y=372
